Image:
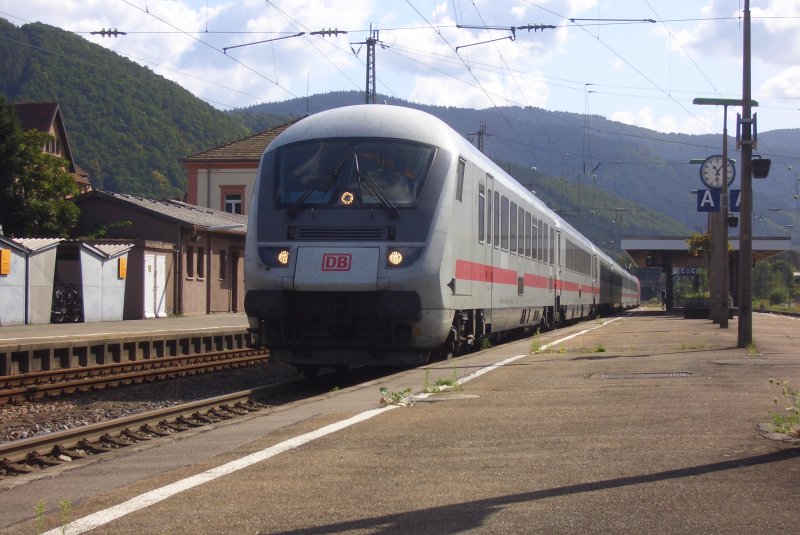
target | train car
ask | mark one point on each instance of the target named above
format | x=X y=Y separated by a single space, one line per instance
x=378 y=235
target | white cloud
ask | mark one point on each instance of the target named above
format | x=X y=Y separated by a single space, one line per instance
x=646 y=117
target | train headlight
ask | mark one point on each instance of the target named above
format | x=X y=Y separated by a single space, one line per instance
x=274 y=256
x=402 y=256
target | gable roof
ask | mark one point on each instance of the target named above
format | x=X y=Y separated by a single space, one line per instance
x=249 y=148
x=177 y=212
x=44 y=116
x=30 y=245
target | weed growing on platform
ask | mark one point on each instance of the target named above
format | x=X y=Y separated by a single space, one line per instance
x=788 y=422
x=65 y=506
x=39 y=523
x=536 y=345
x=598 y=349
x=485 y=343
x=440 y=384
x=394 y=398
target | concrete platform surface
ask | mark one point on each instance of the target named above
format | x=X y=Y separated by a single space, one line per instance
x=15 y=334
x=646 y=423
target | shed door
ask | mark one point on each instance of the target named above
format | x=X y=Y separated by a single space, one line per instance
x=155 y=278
x=159 y=292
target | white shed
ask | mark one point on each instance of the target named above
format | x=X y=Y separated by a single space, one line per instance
x=103 y=274
x=27 y=266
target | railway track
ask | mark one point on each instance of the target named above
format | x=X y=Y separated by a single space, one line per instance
x=36 y=385
x=30 y=455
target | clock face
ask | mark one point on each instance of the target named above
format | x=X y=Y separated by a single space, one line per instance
x=711 y=171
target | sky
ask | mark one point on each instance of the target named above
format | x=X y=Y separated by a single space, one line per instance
x=641 y=62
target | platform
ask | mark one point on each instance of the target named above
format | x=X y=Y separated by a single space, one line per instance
x=32 y=348
x=647 y=423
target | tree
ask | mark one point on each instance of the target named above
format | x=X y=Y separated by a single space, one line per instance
x=34 y=194
x=10 y=139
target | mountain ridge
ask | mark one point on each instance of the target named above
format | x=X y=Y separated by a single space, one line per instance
x=130 y=128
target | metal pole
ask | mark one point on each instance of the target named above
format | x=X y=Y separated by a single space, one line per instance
x=745 y=336
x=723 y=228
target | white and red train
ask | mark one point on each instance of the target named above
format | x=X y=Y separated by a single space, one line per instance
x=378 y=235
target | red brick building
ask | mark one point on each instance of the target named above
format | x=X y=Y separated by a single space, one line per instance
x=223 y=177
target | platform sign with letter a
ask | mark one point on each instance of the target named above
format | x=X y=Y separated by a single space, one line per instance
x=734 y=200
x=708 y=200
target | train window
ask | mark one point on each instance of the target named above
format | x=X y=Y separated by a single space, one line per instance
x=504 y=223
x=528 y=235
x=496 y=221
x=488 y=215
x=373 y=171
x=545 y=245
x=535 y=235
x=552 y=254
x=512 y=228
x=460 y=179
x=481 y=213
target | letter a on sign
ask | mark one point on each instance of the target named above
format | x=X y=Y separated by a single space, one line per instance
x=708 y=200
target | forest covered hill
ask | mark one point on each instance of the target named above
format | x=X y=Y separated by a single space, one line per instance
x=130 y=128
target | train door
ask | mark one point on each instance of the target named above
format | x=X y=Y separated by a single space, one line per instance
x=465 y=228
x=555 y=261
x=595 y=292
x=488 y=248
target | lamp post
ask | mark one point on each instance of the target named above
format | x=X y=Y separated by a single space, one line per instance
x=720 y=259
x=745 y=334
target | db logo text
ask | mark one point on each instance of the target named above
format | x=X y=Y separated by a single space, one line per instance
x=337 y=262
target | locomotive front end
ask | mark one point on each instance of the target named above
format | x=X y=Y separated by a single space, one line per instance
x=342 y=262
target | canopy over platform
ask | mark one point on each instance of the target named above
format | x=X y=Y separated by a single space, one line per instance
x=652 y=251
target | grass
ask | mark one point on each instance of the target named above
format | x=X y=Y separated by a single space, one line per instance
x=389 y=397
x=439 y=384
x=788 y=421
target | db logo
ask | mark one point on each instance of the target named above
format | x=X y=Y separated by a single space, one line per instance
x=337 y=262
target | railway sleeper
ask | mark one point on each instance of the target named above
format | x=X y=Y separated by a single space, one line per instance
x=133 y=435
x=34 y=458
x=13 y=469
x=85 y=445
x=158 y=431
x=66 y=455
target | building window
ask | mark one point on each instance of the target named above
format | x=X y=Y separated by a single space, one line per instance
x=232 y=199
x=189 y=262
x=223 y=265
x=233 y=203
x=201 y=263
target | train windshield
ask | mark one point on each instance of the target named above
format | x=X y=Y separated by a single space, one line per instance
x=387 y=173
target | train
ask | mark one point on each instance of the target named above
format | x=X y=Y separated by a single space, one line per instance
x=378 y=235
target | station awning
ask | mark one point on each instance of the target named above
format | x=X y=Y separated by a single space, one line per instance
x=650 y=251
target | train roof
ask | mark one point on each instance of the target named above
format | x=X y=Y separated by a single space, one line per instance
x=397 y=122
x=370 y=120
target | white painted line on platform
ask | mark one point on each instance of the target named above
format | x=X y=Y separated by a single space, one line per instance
x=570 y=337
x=105 y=516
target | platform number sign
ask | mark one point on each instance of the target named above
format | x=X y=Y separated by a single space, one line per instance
x=709 y=200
